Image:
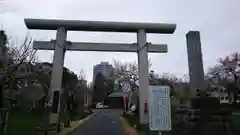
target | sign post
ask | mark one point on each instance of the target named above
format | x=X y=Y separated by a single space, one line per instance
x=159 y=108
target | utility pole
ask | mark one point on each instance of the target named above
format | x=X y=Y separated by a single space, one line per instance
x=3 y=39
x=3 y=112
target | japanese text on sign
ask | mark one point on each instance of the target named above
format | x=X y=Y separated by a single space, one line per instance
x=159 y=108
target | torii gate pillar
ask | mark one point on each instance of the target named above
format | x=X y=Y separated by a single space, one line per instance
x=57 y=73
x=143 y=73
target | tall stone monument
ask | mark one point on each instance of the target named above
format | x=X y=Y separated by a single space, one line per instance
x=195 y=62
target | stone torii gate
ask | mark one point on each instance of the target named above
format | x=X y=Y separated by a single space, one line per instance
x=60 y=45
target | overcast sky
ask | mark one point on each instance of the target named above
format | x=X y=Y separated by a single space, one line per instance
x=217 y=20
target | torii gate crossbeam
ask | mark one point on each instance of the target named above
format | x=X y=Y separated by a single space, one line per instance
x=60 y=45
x=109 y=47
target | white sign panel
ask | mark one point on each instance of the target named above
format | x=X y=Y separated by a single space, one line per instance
x=159 y=108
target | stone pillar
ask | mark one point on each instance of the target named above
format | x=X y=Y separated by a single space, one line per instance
x=57 y=73
x=143 y=74
x=195 y=62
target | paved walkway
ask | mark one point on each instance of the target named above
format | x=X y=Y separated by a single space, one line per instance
x=102 y=123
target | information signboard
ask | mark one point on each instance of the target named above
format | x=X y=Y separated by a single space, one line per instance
x=159 y=108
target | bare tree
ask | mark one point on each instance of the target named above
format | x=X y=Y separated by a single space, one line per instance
x=171 y=78
x=82 y=86
x=12 y=57
x=226 y=74
x=127 y=70
x=81 y=75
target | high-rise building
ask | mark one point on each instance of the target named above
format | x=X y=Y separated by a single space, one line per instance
x=104 y=68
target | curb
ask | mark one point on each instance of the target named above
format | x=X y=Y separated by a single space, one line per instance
x=236 y=113
x=75 y=125
x=127 y=129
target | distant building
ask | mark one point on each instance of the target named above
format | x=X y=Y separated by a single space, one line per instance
x=105 y=69
x=222 y=94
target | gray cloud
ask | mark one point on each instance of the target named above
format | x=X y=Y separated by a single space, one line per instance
x=217 y=20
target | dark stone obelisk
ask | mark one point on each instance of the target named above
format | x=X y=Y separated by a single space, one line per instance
x=195 y=62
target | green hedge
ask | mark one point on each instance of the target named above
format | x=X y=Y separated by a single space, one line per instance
x=236 y=122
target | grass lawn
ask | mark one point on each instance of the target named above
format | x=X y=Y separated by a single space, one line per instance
x=79 y=116
x=132 y=120
x=236 y=121
x=24 y=123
